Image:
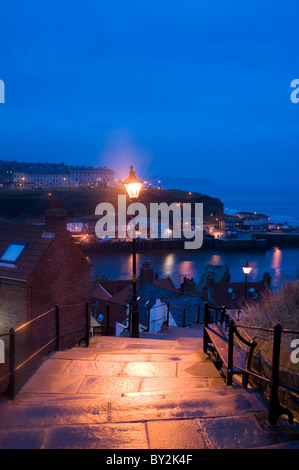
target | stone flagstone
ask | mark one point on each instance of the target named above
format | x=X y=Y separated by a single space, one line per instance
x=155 y=392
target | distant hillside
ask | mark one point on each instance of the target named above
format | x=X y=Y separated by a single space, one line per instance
x=21 y=204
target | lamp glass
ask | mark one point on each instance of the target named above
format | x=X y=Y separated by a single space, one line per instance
x=132 y=185
x=133 y=190
x=247 y=268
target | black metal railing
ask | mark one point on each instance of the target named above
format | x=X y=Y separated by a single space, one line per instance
x=18 y=341
x=106 y=308
x=165 y=319
x=233 y=328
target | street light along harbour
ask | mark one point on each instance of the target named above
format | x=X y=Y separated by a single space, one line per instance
x=133 y=187
x=246 y=270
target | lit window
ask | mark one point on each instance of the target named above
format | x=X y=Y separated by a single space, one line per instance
x=12 y=253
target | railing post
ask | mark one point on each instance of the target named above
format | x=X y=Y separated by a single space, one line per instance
x=148 y=319
x=184 y=318
x=198 y=314
x=87 y=324
x=12 y=352
x=107 y=320
x=57 y=328
x=167 y=318
x=230 y=356
x=129 y=320
x=205 y=334
x=274 y=406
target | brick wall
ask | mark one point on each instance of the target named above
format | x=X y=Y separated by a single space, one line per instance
x=14 y=297
x=61 y=277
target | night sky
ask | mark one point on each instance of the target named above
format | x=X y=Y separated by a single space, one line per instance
x=196 y=93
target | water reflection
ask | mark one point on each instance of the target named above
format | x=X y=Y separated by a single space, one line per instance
x=280 y=264
x=187 y=268
x=168 y=264
x=276 y=263
x=216 y=259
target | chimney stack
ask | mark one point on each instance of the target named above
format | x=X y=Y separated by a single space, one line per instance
x=188 y=287
x=267 y=280
x=56 y=219
x=146 y=273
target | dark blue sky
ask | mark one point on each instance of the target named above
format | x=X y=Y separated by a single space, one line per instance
x=180 y=88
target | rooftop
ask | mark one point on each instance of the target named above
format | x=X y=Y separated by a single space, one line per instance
x=35 y=242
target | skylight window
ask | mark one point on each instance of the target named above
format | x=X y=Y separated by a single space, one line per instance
x=12 y=253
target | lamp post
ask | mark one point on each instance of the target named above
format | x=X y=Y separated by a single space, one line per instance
x=133 y=187
x=246 y=270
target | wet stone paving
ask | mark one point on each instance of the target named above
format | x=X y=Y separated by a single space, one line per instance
x=155 y=392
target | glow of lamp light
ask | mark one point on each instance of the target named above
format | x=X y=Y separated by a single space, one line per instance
x=247 y=268
x=132 y=185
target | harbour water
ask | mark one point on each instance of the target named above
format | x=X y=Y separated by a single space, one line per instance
x=281 y=264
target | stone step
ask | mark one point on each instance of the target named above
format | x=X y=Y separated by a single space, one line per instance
x=39 y=411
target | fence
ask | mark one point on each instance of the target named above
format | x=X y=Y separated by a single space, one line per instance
x=111 y=314
x=25 y=347
x=238 y=336
x=187 y=318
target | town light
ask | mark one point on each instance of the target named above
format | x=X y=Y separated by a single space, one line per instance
x=247 y=268
x=132 y=185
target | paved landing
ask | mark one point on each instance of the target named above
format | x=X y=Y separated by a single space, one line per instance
x=155 y=392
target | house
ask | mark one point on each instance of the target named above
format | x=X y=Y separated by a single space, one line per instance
x=109 y=307
x=232 y=294
x=219 y=272
x=111 y=299
x=155 y=304
x=40 y=266
x=230 y=225
x=253 y=221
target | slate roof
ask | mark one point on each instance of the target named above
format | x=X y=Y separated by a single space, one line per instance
x=220 y=274
x=190 y=303
x=219 y=295
x=36 y=245
x=98 y=291
x=115 y=286
x=149 y=294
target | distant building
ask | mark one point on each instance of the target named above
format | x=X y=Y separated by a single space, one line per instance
x=253 y=221
x=280 y=228
x=52 y=175
x=230 y=226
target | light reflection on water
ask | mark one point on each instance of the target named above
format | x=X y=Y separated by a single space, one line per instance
x=280 y=264
x=276 y=264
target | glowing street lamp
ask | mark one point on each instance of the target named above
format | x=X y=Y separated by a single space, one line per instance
x=133 y=187
x=246 y=270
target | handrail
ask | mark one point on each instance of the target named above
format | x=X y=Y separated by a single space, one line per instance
x=275 y=408
x=166 y=321
x=10 y=390
x=33 y=320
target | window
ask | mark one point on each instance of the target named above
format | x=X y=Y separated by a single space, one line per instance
x=231 y=293
x=253 y=293
x=12 y=253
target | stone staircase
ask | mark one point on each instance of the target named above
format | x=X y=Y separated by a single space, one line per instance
x=155 y=392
